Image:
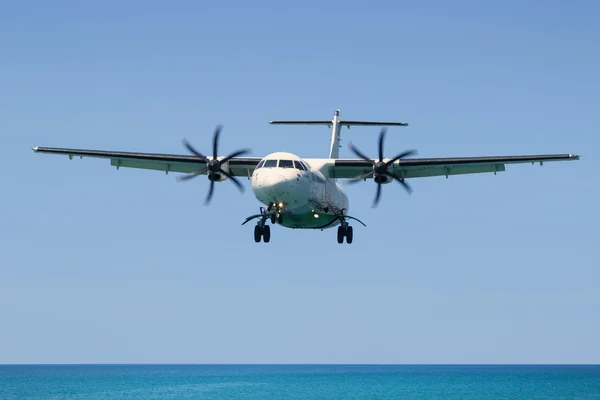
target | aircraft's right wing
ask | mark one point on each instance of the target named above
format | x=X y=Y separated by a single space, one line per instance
x=239 y=166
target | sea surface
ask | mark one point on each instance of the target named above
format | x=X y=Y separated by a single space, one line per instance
x=299 y=382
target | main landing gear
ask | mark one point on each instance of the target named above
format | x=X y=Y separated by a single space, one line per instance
x=261 y=229
x=345 y=231
x=263 y=232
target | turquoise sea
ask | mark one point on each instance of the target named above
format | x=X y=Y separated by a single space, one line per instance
x=299 y=382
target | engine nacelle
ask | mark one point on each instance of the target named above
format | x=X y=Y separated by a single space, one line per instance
x=219 y=176
x=383 y=179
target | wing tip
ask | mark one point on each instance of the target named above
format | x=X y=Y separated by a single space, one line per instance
x=35 y=149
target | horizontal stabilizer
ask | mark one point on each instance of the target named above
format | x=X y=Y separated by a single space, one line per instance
x=336 y=125
x=373 y=123
x=301 y=122
x=341 y=122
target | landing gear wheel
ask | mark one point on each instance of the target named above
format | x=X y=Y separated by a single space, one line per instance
x=349 y=234
x=257 y=233
x=340 y=235
x=345 y=232
x=266 y=233
x=273 y=218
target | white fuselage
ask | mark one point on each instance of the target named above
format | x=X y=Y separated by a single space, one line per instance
x=306 y=198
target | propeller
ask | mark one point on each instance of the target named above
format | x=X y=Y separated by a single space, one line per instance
x=380 y=168
x=214 y=166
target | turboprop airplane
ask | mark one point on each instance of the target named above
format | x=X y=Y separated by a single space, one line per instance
x=304 y=193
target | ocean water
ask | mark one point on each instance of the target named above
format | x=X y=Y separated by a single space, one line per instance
x=299 y=382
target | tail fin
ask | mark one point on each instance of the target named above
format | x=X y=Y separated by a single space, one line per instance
x=336 y=135
x=336 y=129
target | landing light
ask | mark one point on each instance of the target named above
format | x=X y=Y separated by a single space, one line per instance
x=281 y=204
x=316 y=215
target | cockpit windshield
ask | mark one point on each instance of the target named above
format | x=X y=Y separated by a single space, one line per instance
x=299 y=165
x=282 y=164
x=286 y=164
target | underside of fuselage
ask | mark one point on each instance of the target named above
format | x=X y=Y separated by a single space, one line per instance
x=308 y=220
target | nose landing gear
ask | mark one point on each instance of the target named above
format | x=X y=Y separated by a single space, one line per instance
x=276 y=215
x=276 y=218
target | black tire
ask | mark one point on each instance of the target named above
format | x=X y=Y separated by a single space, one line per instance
x=340 y=235
x=266 y=234
x=257 y=233
x=273 y=218
x=349 y=235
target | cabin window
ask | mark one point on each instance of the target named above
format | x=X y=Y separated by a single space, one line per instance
x=270 y=164
x=298 y=165
x=286 y=164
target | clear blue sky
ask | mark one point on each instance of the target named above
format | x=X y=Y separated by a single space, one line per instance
x=106 y=266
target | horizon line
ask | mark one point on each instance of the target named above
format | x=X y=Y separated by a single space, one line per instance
x=295 y=364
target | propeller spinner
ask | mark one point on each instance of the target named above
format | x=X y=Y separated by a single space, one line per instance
x=380 y=168
x=214 y=166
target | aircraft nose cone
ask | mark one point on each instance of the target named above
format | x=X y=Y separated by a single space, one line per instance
x=280 y=184
x=279 y=187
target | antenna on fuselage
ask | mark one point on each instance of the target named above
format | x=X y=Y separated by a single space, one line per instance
x=336 y=128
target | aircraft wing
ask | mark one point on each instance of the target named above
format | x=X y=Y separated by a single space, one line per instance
x=242 y=166
x=426 y=167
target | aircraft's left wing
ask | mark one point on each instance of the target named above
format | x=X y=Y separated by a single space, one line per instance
x=242 y=166
x=426 y=167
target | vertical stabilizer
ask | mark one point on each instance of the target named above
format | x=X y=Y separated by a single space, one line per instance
x=336 y=133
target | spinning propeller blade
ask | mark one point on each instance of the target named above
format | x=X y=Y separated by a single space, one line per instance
x=215 y=166
x=380 y=168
